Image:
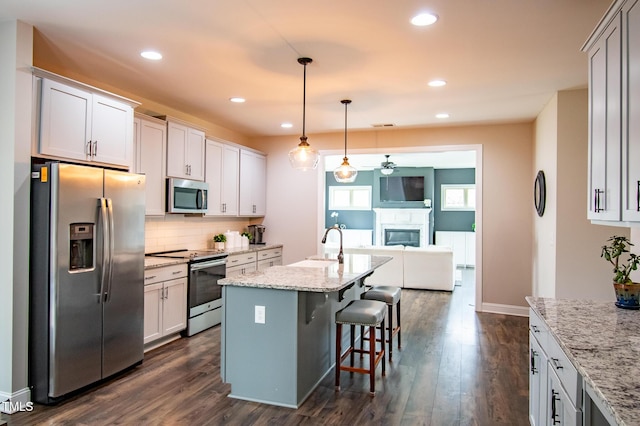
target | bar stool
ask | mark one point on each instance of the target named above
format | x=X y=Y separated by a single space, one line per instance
x=391 y=296
x=365 y=313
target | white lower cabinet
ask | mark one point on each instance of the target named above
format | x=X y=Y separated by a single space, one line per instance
x=242 y=263
x=537 y=382
x=268 y=258
x=555 y=387
x=165 y=301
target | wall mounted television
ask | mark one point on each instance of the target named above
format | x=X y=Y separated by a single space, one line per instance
x=401 y=188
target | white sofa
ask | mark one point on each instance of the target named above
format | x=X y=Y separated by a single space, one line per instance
x=427 y=268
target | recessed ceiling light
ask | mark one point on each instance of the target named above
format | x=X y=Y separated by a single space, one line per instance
x=437 y=83
x=424 y=19
x=237 y=100
x=151 y=54
x=286 y=125
x=442 y=115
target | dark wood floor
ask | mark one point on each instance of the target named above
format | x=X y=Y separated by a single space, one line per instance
x=456 y=367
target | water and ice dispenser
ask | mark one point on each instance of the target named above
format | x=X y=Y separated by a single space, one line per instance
x=81 y=246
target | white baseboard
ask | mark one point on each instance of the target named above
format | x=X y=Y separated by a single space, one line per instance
x=496 y=308
x=16 y=401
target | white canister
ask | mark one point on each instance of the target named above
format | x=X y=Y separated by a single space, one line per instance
x=245 y=242
x=230 y=239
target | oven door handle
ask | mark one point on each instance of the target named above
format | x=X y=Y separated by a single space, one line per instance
x=204 y=265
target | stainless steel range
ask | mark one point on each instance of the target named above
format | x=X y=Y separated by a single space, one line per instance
x=204 y=294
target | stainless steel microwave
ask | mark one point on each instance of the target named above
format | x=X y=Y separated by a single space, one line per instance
x=186 y=196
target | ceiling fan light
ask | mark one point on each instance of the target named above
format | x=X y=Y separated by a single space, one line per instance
x=346 y=173
x=303 y=157
x=386 y=171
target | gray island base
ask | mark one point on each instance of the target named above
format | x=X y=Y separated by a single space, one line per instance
x=278 y=332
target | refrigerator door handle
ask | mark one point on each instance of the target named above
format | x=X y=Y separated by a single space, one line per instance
x=111 y=248
x=105 y=247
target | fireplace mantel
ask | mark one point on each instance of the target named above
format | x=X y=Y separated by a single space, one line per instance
x=402 y=219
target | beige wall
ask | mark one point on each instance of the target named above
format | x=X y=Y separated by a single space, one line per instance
x=294 y=198
x=566 y=253
x=544 y=228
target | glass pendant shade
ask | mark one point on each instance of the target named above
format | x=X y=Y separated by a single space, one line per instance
x=346 y=173
x=386 y=171
x=303 y=157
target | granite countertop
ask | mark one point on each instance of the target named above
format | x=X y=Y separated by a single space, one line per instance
x=151 y=262
x=251 y=248
x=603 y=343
x=317 y=274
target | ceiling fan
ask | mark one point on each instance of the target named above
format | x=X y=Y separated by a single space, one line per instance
x=386 y=167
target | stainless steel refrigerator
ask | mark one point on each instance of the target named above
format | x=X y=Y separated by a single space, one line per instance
x=86 y=277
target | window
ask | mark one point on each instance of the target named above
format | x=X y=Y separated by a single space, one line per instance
x=349 y=198
x=458 y=197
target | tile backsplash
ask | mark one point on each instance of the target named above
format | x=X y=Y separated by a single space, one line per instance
x=174 y=232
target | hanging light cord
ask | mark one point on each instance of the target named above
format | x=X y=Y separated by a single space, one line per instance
x=346 y=102
x=345 y=128
x=304 y=62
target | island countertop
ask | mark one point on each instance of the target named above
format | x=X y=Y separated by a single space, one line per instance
x=603 y=343
x=316 y=274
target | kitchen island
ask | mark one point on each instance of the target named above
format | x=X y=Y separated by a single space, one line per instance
x=278 y=333
x=603 y=343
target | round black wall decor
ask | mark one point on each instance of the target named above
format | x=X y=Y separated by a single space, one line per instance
x=539 y=193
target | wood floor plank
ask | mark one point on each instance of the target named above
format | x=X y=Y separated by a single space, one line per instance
x=456 y=367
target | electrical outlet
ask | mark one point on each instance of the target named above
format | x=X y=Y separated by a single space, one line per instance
x=260 y=314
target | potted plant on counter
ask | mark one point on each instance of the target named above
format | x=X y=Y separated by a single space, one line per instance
x=218 y=241
x=617 y=253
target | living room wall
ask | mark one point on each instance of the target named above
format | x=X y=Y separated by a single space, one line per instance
x=452 y=220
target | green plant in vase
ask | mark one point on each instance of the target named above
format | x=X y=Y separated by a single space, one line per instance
x=623 y=261
x=219 y=240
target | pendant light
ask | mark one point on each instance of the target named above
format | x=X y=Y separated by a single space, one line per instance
x=346 y=173
x=303 y=157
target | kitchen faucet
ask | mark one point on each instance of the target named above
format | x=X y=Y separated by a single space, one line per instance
x=324 y=240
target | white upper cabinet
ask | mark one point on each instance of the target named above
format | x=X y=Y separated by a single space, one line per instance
x=78 y=124
x=604 y=129
x=614 y=115
x=185 y=151
x=150 y=159
x=631 y=112
x=222 y=174
x=253 y=183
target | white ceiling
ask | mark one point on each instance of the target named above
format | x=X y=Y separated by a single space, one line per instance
x=502 y=59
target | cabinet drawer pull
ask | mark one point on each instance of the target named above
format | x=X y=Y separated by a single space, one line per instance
x=554 y=413
x=176 y=272
x=535 y=329
x=150 y=277
x=234 y=261
x=95 y=148
x=534 y=354
x=597 y=194
x=638 y=197
x=556 y=363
